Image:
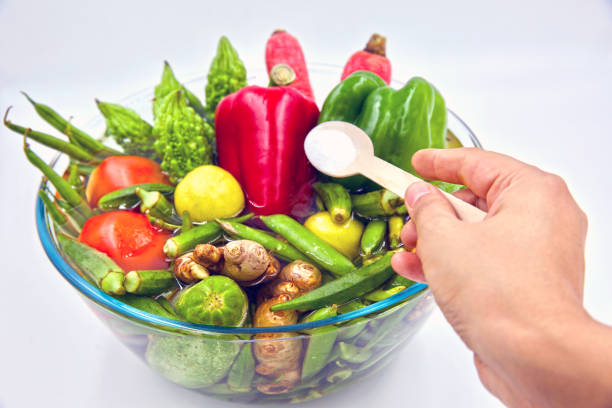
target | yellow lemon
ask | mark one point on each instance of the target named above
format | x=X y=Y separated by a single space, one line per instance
x=344 y=238
x=209 y=192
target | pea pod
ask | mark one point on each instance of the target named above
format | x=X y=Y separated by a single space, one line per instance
x=280 y=248
x=396 y=223
x=202 y=234
x=149 y=282
x=373 y=237
x=72 y=150
x=126 y=197
x=347 y=287
x=336 y=200
x=147 y=304
x=307 y=242
x=76 y=135
x=320 y=343
x=102 y=270
x=59 y=218
x=378 y=203
x=243 y=370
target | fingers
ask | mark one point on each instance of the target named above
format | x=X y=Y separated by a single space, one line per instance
x=477 y=169
x=408 y=265
x=428 y=208
x=409 y=235
x=469 y=197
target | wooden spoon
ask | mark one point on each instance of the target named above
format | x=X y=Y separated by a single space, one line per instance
x=341 y=149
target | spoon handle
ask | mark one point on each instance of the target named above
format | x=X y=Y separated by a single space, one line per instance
x=397 y=181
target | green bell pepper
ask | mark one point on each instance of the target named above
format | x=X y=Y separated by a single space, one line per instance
x=399 y=122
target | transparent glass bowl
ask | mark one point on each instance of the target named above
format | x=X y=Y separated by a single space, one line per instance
x=308 y=360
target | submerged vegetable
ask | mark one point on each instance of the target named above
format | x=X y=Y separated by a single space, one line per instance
x=344 y=237
x=184 y=139
x=336 y=199
x=128 y=129
x=226 y=75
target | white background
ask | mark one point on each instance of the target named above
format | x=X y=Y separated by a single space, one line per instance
x=532 y=78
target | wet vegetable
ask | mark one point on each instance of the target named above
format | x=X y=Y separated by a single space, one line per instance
x=149 y=305
x=336 y=199
x=342 y=237
x=149 y=282
x=126 y=197
x=396 y=223
x=242 y=372
x=373 y=237
x=378 y=203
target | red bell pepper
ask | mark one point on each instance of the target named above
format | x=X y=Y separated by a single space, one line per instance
x=128 y=238
x=372 y=59
x=260 y=140
x=117 y=172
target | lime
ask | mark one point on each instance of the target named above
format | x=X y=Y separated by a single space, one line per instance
x=209 y=192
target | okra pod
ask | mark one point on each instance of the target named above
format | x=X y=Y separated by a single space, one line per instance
x=371 y=260
x=320 y=343
x=159 y=223
x=54 y=143
x=308 y=243
x=347 y=287
x=60 y=220
x=147 y=304
x=280 y=248
x=149 y=282
x=96 y=265
x=336 y=199
x=165 y=303
x=398 y=280
x=378 y=203
x=243 y=370
x=62 y=186
x=74 y=179
x=126 y=198
x=373 y=237
x=76 y=135
x=382 y=294
x=154 y=203
x=396 y=223
x=186 y=241
x=339 y=375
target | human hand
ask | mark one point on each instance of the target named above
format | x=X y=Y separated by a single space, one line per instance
x=511 y=285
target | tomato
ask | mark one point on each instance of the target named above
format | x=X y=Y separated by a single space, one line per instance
x=117 y=172
x=128 y=238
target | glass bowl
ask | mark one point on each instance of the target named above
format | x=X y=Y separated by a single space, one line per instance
x=307 y=360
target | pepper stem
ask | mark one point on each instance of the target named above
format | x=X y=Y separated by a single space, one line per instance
x=377 y=45
x=281 y=75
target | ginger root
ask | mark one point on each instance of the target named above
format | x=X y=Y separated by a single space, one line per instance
x=188 y=270
x=246 y=262
x=279 y=358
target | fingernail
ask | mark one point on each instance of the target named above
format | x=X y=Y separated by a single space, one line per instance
x=416 y=191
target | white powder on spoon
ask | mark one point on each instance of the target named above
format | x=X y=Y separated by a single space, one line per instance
x=329 y=150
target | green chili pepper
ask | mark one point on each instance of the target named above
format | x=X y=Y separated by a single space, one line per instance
x=226 y=75
x=336 y=199
x=60 y=220
x=153 y=203
x=54 y=143
x=149 y=282
x=373 y=237
x=96 y=265
x=62 y=186
x=76 y=135
x=320 y=343
x=147 y=304
x=280 y=248
x=128 y=129
x=202 y=234
x=349 y=286
x=378 y=203
x=396 y=223
x=307 y=242
x=126 y=197
x=243 y=370
x=399 y=122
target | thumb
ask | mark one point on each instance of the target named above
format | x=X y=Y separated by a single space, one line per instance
x=429 y=209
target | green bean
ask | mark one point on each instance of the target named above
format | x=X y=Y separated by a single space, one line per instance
x=76 y=135
x=126 y=197
x=54 y=143
x=96 y=265
x=373 y=237
x=396 y=223
x=60 y=220
x=62 y=186
x=347 y=287
x=149 y=282
x=337 y=200
x=307 y=242
x=378 y=203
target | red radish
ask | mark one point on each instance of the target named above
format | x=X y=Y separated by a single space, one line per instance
x=117 y=172
x=283 y=48
x=128 y=238
x=372 y=59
